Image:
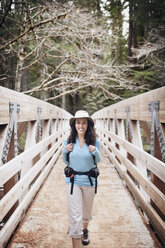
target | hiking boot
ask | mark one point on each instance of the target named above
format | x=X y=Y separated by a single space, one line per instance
x=85 y=239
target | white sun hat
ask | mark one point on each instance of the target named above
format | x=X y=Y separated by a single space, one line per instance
x=81 y=114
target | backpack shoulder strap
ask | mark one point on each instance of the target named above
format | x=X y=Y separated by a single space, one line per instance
x=67 y=155
x=94 y=160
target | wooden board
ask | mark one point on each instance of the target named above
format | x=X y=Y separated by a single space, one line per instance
x=151 y=163
x=138 y=107
x=28 y=107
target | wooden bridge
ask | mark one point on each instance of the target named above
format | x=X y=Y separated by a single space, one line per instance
x=129 y=209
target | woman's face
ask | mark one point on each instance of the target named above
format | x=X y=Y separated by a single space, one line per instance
x=81 y=125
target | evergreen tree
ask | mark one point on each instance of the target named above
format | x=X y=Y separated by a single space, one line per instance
x=115 y=8
x=70 y=55
x=143 y=17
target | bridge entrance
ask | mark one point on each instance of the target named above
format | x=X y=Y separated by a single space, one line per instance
x=117 y=222
x=122 y=128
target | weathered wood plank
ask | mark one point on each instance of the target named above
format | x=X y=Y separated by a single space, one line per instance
x=155 y=194
x=138 y=107
x=16 y=217
x=15 y=193
x=150 y=162
x=28 y=105
x=13 y=166
x=149 y=210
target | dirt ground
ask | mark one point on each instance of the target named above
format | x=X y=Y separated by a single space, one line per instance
x=116 y=223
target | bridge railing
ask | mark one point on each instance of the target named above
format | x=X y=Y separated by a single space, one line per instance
x=39 y=128
x=121 y=128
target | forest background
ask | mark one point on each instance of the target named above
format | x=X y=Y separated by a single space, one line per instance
x=84 y=54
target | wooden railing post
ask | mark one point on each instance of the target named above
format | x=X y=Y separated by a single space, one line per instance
x=157 y=142
x=143 y=173
x=40 y=126
x=10 y=150
x=121 y=133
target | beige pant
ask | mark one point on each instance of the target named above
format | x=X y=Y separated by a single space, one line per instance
x=80 y=206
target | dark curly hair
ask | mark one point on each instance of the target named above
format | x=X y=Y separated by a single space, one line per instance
x=90 y=134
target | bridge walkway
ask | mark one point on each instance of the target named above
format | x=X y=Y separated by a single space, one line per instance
x=117 y=223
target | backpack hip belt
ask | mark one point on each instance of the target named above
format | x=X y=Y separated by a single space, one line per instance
x=94 y=172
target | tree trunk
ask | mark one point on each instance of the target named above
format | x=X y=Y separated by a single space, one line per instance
x=20 y=62
x=120 y=25
x=71 y=105
x=98 y=5
x=18 y=76
x=132 y=40
x=24 y=78
x=63 y=101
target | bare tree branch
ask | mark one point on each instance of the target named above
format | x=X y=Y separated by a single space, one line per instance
x=31 y=28
x=68 y=92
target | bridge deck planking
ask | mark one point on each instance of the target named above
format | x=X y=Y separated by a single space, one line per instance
x=116 y=223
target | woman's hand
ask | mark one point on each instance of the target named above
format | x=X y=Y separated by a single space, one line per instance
x=91 y=148
x=69 y=147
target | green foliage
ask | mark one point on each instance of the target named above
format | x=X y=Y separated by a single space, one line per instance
x=94 y=101
x=143 y=77
x=115 y=12
x=34 y=77
x=145 y=142
x=21 y=142
x=146 y=16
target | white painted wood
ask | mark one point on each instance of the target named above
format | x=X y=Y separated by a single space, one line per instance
x=121 y=134
x=137 y=141
x=155 y=219
x=23 y=185
x=16 y=164
x=140 y=107
x=28 y=106
x=18 y=214
x=116 y=146
x=150 y=162
x=156 y=195
x=30 y=169
x=149 y=210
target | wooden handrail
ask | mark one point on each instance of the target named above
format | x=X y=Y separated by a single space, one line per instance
x=44 y=128
x=121 y=128
x=28 y=107
x=15 y=165
x=138 y=107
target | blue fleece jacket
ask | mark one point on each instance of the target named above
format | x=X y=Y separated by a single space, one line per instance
x=80 y=159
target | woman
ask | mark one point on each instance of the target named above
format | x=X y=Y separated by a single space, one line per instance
x=81 y=153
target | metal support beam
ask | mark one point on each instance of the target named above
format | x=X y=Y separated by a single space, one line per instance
x=14 y=109
x=128 y=124
x=38 y=127
x=155 y=124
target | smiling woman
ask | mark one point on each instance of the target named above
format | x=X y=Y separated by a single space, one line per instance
x=81 y=153
x=81 y=127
